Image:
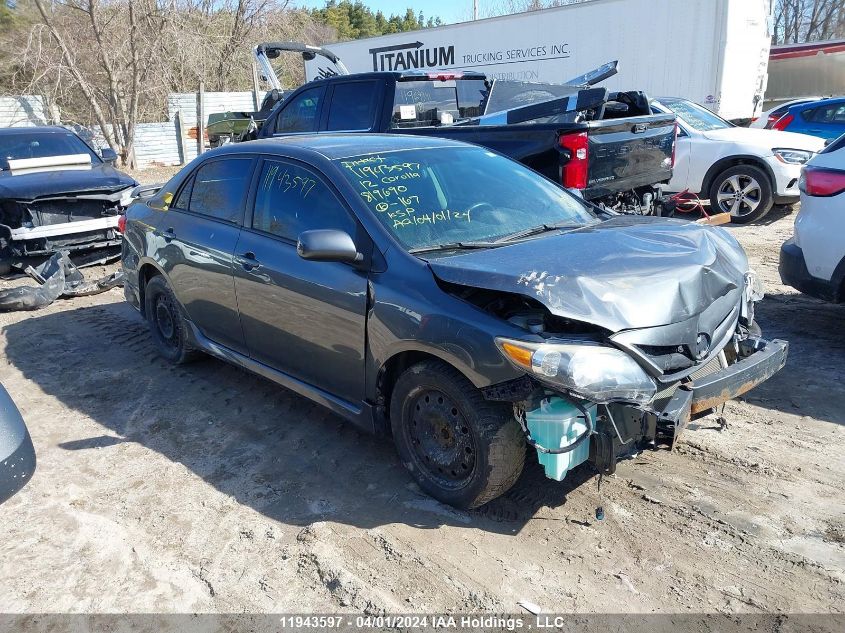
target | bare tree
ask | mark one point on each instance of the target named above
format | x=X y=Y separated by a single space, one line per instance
x=797 y=21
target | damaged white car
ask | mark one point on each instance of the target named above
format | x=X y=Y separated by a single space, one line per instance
x=58 y=194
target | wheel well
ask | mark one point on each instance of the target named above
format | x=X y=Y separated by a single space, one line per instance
x=389 y=374
x=726 y=163
x=147 y=272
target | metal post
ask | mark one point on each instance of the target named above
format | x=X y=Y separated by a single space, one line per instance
x=201 y=119
x=474 y=9
x=256 y=96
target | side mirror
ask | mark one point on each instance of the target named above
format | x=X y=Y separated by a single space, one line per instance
x=108 y=155
x=327 y=245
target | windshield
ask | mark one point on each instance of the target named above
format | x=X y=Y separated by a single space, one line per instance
x=694 y=115
x=26 y=144
x=445 y=195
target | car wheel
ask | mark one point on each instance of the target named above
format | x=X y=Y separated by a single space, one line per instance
x=744 y=191
x=461 y=449
x=167 y=324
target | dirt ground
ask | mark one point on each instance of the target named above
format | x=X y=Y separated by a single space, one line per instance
x=206 y=489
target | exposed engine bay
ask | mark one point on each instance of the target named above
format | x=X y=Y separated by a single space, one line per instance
x=58 y=203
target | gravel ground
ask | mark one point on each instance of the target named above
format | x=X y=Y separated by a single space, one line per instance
x=206 y=489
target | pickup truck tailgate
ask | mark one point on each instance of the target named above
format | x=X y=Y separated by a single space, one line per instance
x=628 y=153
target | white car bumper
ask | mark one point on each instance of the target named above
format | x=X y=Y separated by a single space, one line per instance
x=786 y=179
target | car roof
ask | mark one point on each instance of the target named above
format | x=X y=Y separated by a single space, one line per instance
x=820 y=102
x=35 y=129
x=337 y=145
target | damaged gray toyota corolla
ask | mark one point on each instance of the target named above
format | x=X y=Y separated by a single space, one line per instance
x=449 y=296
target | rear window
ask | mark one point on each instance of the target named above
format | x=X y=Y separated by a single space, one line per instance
x=425 y=103
x=219 y=189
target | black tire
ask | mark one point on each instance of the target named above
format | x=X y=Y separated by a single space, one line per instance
x=744 y=191
x=460 y=448
x=167 y=323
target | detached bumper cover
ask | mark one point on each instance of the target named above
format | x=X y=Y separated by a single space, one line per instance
x=742 y=376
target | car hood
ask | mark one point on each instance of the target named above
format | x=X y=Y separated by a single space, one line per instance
x=766 y=139
x=99 y=178
x=627 y=272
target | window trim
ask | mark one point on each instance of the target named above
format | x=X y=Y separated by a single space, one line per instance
x=359 y=233
x=190 y=178
x=377 y=111
x=287 y=102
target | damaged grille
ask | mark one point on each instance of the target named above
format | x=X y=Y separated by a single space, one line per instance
x=69 y=210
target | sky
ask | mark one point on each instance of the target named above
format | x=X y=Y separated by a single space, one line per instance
x=448 y=10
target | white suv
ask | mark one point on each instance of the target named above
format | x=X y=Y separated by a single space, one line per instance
x=741 y=171
x=813 y=261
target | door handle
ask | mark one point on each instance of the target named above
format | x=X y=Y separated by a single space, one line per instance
x=248 y=261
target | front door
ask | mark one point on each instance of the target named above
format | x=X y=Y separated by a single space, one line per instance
x=200 y=232
x=303 y=318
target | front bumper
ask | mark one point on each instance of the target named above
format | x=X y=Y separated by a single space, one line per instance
x=786 y=181
x=717 y=388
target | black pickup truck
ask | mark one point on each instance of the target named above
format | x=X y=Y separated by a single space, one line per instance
x=607 y=145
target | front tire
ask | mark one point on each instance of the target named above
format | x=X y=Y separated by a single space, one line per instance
x=744 y=191
x=460 y=448
x=167 y=323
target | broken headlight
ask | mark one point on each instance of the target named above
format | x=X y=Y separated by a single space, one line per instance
x=594 y=372
x=754 y=289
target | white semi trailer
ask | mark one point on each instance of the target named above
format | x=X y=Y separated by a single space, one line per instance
x=714 y=52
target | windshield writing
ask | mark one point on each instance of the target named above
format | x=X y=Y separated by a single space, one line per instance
x=443 y=195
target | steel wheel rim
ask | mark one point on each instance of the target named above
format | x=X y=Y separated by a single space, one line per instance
x=441 y=440
x=739 y=195
x=164 y=320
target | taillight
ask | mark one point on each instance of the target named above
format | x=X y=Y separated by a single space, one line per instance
x=782 y=122
x=574 y=172
x=773 y=118
x=820 y=182
x=441 y=76
x=121 y=223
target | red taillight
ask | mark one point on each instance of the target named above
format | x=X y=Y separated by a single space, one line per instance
x=782 y=122
x=773 y=118
x=574 y=172
x=121 y=224
x=435 y=76
x=820 y=182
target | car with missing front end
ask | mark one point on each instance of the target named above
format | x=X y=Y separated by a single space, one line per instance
x=58 y=194
x=447 y=295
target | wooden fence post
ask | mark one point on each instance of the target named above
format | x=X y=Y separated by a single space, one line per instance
x=201 y=119
x=180 y=137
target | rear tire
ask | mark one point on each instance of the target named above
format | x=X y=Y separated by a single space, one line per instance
x=744 y=191
x=167 y=323
x=460 y=448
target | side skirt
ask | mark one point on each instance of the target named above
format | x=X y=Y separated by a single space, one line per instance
x=361 y=416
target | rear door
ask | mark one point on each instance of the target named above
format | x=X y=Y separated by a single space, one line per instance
x=303 y=318
x=200 y=234
x=354 y=106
